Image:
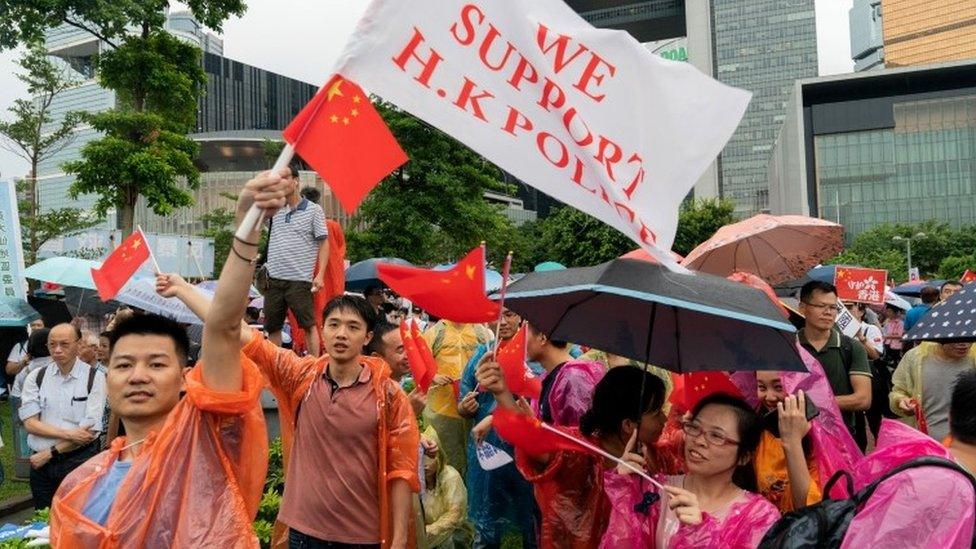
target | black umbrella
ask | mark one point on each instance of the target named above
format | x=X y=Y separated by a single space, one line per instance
x=953 y=320
x=643 y=311
x=362 y=275
x=82 y=301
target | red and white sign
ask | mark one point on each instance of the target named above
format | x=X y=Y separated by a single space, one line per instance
x=586 y=115
x=863 y=285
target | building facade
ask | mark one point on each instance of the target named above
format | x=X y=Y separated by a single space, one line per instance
x=886 y=146
x=237 y=97
x=867 y=43
x=917 y=32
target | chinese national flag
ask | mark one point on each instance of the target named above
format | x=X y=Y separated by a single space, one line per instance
x=119 y=267
x=967 y=277
x=528 y=434
x=430 y=363
x=511 y=358
x=345 y=140
x=457 y=294
x=418 y=366
x=690 y=388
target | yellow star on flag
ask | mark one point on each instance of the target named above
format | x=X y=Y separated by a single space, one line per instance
x=334 y=118
x=345 y=120
x=334 y=90
x=356 y=99
x=470 y=272
x=354 y=112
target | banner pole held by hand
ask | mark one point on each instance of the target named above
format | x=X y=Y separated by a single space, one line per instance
x=600 y=452
x=501 y=302
x=255 y=215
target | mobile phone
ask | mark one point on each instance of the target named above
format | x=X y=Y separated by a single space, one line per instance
x=770 y=421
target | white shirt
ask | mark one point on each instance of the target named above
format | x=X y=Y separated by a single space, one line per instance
x=18 y=386
x=874 y=337
x=63 y=401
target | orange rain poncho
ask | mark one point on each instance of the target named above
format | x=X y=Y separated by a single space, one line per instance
x=196 y=483
x=291 y=377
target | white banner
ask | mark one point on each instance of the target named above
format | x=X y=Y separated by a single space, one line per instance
x=586 y=115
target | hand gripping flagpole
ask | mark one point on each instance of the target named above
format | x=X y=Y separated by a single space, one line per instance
x=255 y=215
x=501 y=301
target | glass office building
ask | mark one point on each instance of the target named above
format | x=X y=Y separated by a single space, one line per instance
x=886 y=146
x=762 y=46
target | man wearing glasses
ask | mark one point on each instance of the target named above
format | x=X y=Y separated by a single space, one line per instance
x=844 y=361
x=61 y=407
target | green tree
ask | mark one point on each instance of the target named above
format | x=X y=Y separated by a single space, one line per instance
x=157 y=79
x=219 y=225
x=699 y=219
x=953 y=267
x=33 y=135
x=576 y=239
x=433 y=209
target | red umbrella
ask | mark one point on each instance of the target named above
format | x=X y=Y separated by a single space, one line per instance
x=642 y=255
x=777 y=248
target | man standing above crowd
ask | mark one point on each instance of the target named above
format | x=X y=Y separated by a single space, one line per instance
x=845 y=361
x=298 y=238
x=924 y=380
x=61 y=406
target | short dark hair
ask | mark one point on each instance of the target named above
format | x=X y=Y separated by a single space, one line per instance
x=750 y=432
x=372 y=290
x=37 y=343
x=150 y=324
x=355 y=304
x=295 y=166
x=614 y=398
x=105 y=334
x=962 y=413
x=955 y=283
x=816 y=286
x=311 y=194
x=929 y=294
x=376 y=344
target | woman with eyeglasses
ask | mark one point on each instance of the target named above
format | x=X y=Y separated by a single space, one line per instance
x=709 y=506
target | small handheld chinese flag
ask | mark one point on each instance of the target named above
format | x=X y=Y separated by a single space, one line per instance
x=967 y=277
x=511 y=358
x=342 y=137
x=691 y=387
x=457 y=294
x=119 y=267
x=430 y=364
x=418 y=366
x=529 y=435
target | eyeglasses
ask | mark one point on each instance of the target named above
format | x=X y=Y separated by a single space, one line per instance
x=694 y=430
x=822 y=307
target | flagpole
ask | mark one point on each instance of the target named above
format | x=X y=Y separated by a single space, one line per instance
x=152 y=256
x=600 y=451
x=189 y=244
x=255 y=215
x=501 y=302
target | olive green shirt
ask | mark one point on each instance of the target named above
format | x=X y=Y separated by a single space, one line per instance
x=832 y=359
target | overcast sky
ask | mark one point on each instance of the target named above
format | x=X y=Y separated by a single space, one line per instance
x=302 y=39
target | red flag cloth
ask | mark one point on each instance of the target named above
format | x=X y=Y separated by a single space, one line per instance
x=345 y=140
x=119 y=267
x=426 y=355
x=691 y=387
x=511 y=358
x=923 y=426
x=457 y=294
x=418 y=366
x=967 y=277
x=527 y=434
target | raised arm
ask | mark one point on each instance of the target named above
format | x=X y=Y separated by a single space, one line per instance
x=220 y=350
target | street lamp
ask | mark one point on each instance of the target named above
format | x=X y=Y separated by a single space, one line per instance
x=908 y=243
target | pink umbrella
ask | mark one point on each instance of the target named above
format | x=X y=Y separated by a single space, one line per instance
x=776 y=248
x=642 y=255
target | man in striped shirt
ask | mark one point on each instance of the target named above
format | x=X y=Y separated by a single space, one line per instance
x=298 y=238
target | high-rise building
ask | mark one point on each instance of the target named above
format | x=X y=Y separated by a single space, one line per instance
x=894 y=145
x=237 y=97
x=759 y=45
x=928 y=31
x=867 y=45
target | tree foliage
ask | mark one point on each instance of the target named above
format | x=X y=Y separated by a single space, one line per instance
x=699 y=219
x=33 y=135
x=157 y=79
x=219 y=225
x=938 y=254
x=431 y=210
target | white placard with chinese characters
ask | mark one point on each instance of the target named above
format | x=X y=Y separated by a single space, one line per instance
x=491 y=457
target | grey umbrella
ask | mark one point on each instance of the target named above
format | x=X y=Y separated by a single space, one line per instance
x=643 y=311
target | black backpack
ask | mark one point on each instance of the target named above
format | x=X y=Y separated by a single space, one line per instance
x=824 y=524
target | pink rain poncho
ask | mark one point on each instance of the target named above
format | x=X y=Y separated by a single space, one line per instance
x=741 y=525
x=572 y=391
x=922 y=507
x=833 y=447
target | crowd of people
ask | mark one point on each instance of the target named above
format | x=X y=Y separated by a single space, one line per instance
x=135 y=441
